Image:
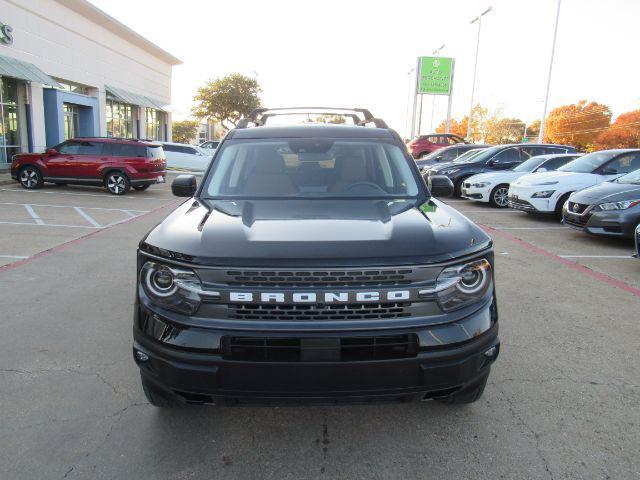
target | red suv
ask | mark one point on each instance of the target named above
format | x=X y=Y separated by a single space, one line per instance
x=423 y=145
x=118 y=164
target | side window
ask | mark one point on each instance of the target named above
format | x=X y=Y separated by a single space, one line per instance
x=624 y=164
x=128 y=150
x=510 y=155
x=170 y=148
x=68 y=148
x=554 y=163
x=190 y=150
x=90 y=148
x=450 y=154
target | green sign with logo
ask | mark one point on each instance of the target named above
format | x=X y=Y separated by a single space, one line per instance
x=435 y=75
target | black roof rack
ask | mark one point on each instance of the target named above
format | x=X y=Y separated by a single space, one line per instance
x=360 y=116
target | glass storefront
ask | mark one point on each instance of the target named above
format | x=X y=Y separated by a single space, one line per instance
x=71 y=117
x=119 y=120
x=154 y=124
x=9 y=124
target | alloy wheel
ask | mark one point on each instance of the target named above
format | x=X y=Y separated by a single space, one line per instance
x=116 y=183
x=501 y=197
x=29 y=178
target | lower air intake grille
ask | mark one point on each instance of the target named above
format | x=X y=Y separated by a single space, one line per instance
x=264 y=349
x=364 y=311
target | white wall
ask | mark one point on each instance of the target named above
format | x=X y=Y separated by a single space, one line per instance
x=67 y=45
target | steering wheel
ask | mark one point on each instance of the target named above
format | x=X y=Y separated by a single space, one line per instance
x=366 y=184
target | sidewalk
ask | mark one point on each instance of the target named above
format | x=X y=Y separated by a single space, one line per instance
x=5 y=178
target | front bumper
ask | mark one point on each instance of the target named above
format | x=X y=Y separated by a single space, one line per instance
x=477 y=194
x=520 y=198
x=613 y=223
x=191 y=364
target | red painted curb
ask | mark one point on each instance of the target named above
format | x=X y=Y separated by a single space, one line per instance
x=601 y=277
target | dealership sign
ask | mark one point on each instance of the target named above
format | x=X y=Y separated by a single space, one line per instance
x=6 y=36
x=435 y=75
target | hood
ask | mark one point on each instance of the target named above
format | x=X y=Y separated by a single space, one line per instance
x=317 y=232
x=442 y=166
x=561 y=178
x=607 y=192
x=496 y=177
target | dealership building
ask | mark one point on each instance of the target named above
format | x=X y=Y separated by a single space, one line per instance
x=67 y=69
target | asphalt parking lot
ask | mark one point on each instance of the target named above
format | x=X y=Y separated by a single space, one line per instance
x=563 y=401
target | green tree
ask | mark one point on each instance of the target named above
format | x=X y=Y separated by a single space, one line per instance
x=184 y=131
x=226 y=100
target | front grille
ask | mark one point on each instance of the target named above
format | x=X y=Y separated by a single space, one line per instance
x=575 y=221
x=323 y=278
x=520 y=204
x=266 y=349
x=581 y=207
x=361 y=311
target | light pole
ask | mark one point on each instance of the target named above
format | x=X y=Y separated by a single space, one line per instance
x=546 y=95
x=475 y=67
x=436 y=52
x=408 y=119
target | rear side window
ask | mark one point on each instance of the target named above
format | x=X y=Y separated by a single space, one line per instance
x=155 y=153
x=128 y=150
x=179 y=149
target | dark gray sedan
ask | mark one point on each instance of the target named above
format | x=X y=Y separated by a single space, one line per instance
x=610 y=208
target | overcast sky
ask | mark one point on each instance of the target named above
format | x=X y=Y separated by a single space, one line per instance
x=357 y=53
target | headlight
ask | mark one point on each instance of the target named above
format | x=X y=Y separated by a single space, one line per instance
x=461 y=285
x=543 y=194
x=618 y=205
x=480 y=184
x=171 y=287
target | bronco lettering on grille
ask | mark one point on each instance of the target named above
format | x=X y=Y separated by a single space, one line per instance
x=313 y=297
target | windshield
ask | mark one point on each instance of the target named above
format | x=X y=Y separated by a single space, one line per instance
x=310 y=168
x=469 y=156
x=530 y=165
x=588 y=163
x=632 y=178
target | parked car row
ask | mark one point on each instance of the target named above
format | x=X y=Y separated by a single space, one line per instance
x=118 y=164
x=598 y=193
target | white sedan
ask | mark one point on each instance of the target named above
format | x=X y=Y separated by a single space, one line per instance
x=181 y=156
x=547 y=192
x=493 y=187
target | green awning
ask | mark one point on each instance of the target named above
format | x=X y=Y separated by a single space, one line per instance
x=133 y=98
x=11 y=67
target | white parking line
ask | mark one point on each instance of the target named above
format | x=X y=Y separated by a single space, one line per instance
x=17 y=257
x=121 y=197
x=87 y=217
x=52 y=224
x=33 y=214
x=490 y=211
x=72 y=206
x=622 y=257
x=528 y=228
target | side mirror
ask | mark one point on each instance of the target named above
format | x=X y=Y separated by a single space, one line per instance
x=541 y=169
x=438 y=158
x=51 y=151
x=440 y=186
x=184 y=186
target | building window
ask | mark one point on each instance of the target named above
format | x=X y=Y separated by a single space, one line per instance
x=154 y=124
x=71 y=125
x=9 y=124
x=72 y=87
x=119 y=120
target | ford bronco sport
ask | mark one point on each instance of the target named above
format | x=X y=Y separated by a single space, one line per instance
x=313 y=264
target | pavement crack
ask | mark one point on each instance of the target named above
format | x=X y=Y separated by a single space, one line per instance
x=536 y=436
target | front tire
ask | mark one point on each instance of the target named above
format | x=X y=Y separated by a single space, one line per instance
x=155 y=398
x=30 y=178
x=563 y=199
x=117 y=183
x=499 y=197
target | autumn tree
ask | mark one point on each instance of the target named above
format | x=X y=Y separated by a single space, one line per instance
x=227 y=99
x=184 y=131
x=623 y=133
x=478 y=127
x=533 y=130
x=503 y=130
x=456 y=127
x=578 y=124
